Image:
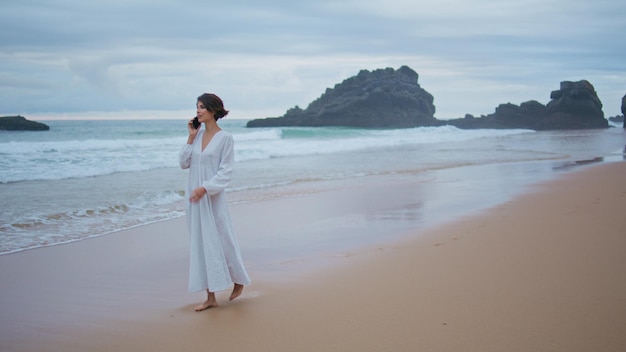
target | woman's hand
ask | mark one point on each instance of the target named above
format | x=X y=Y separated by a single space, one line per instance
x=197 y=194
x=192 y=131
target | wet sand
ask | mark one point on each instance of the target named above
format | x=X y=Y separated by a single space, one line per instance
x=543 y=271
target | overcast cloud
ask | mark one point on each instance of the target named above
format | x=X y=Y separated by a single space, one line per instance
x=133 y=58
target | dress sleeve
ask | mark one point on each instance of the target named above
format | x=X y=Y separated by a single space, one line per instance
x=221 y=179
x=184 y=157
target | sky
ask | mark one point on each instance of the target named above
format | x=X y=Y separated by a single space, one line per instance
x=153 y=58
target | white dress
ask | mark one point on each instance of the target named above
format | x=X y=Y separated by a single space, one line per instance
x=215 y=260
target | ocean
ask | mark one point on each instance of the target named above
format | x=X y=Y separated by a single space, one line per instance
x=91 y=178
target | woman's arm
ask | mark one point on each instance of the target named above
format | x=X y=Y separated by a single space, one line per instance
x=184 y=157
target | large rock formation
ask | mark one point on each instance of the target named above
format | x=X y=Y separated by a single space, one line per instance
x=574 y=106
x=384 y=98
x=20 y=123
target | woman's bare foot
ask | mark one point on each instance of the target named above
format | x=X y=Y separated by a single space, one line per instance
x=237 y=290
x=209 y=303
x=206 y=305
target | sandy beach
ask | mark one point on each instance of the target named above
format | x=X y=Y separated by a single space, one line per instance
x=544 y=271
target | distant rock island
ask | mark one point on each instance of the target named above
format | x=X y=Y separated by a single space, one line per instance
x=620 y=118
x=388 y=98
x=384 y=98
x=617 y=119
x=20 y=123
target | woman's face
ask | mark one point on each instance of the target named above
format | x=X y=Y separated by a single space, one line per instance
x=203 y=114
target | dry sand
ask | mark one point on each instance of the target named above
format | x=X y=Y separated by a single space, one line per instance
x=543 y=272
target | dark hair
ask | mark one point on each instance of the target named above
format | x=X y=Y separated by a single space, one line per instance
x=213 y=103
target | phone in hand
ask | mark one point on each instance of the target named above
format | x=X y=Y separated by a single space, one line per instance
x=195 y=123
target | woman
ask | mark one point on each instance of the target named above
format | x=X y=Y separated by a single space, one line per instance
x=215 y=261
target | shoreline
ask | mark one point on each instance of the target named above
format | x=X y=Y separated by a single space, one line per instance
x=541 y=271
x=40 y=213
x=533 y=171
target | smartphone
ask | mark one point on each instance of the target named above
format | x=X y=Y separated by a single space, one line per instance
x=195 y=122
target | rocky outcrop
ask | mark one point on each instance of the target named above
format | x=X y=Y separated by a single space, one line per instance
x=574 y=106
x=617 y=119
x=624 y=109
x=388 y=98
x=384 y=98
x=506 y=116
x=20 y=123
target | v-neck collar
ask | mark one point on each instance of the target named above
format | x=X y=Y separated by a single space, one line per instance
x=210 y=141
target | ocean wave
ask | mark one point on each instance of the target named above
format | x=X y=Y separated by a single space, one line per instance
x=258 y=135
x=67 y=159
x=40 y=228
x=328 y=141
x=83 y=146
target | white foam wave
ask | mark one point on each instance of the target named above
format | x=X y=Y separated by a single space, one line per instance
x=258 y=135
x=275 y=148
x=33 y=230
x=79 y=146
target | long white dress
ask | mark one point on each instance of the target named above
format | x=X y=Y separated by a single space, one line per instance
x=215 y=260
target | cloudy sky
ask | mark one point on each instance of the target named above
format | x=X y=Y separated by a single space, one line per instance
x=152 y=58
